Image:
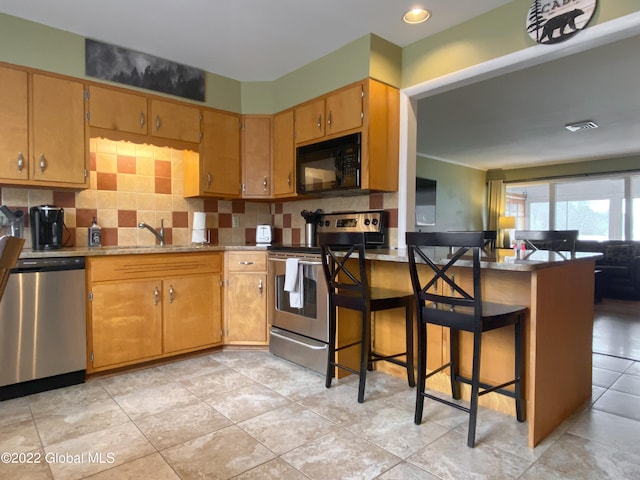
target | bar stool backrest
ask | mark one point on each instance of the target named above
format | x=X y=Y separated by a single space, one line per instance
x=348 y=283
x=427 y=291
x=554 y=240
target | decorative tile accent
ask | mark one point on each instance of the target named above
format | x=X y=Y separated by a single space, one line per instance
x=129 y=183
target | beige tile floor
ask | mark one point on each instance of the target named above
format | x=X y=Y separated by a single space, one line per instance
x=250 y=415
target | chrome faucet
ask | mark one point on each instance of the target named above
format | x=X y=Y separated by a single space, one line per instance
x=159 y=234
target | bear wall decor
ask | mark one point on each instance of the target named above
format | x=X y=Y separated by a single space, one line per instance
x=554 y=21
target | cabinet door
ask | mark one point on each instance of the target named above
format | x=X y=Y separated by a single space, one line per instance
x=116 y=110
x=59 y=149
x=309 y=121
x=175 y=121
x=14 y=146
x=256 y=157
x=192 y=312
x=220 y=153
x=284 y=155
x=126 y=322
x=344 y=110
x=246 y=308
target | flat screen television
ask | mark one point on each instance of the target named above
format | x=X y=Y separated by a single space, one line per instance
x=425 y=201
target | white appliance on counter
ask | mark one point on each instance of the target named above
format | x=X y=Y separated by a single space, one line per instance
x=263 y=234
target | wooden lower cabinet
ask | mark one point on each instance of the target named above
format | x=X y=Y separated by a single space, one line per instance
x=191 y=319
x=127 y=324
x=150 y=306
x=245 y=298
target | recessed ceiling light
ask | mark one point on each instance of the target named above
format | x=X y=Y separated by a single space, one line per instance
x=417 y=15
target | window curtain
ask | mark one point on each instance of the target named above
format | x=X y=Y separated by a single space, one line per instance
x=496 y=192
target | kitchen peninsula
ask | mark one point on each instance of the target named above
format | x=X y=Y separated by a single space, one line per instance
x=557 y=288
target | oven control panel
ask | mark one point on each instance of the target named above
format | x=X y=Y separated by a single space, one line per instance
x=369 y=221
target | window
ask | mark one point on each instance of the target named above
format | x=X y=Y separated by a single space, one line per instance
x=530 y=205
x=595 y=207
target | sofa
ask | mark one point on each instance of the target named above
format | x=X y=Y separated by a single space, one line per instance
x=619 y=269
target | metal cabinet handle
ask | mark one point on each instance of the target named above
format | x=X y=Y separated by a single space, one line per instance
x=171 y=293
x=289 y=179
x=209 y=179
x=329 y=118
x=244 y=262
x=260 y=287
x=265 y=183
x=142 y=119
x=43 y=163
x=157 y=122
x=20 y=162
x=319 y=121
x=156 y=296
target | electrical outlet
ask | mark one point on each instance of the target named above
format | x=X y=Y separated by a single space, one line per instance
x=235 y=221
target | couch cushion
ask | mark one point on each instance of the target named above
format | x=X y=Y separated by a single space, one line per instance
x=619 y=255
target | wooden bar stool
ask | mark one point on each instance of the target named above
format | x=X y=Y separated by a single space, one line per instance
x=450 y=305
x=349 y=288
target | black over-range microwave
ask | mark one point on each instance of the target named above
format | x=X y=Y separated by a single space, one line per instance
x=332 y=166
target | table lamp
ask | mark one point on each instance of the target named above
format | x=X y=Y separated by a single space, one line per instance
x=506 y=224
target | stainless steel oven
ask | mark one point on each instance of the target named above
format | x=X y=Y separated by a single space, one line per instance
x=300 y=329
x=299 y=334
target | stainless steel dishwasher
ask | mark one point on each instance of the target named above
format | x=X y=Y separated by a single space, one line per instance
x=43 y=326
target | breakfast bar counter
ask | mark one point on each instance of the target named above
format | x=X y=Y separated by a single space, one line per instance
x=557 y=289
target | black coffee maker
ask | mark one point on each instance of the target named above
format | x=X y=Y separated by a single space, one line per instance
x=47 y=226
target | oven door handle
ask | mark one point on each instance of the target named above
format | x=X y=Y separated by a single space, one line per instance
x=301 y=262
x=274 y=332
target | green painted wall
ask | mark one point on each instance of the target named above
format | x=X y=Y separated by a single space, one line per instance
x=494 y=34
x=460 y=194
x=37 y=46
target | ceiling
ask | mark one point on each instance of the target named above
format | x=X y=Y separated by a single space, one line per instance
x=247 y=40
x=518 y=119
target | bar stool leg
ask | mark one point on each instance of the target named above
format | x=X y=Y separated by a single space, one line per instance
x=422 y=371
x=454 y=355
x=475 y=389
x=518 y=364
x=409 y=343
x=331 y=355
x=365 y=349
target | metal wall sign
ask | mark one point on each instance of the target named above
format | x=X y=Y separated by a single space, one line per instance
x=554 y=21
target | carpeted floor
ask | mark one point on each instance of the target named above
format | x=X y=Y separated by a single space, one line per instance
x=616 y=328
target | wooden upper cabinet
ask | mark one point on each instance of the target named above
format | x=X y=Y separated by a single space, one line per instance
x=309 y=121
x=329 y=115
x=118 y=110
x=220 y=154
x=284 y=155
x=175 y=121
x=256 y=156
x=344 y=110
x=59 y=141
x=14 y=146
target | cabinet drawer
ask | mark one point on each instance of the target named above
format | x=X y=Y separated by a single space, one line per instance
x=122 y=267
x=246 y=261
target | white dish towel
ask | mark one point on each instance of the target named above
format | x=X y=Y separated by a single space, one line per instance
x=293 y=278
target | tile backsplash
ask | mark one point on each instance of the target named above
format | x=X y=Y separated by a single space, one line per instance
x=131 y=183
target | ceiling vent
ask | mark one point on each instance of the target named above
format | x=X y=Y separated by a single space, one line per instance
x=576 y=127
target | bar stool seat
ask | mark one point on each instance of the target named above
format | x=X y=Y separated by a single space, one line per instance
x=460 y=308
x=344 y=266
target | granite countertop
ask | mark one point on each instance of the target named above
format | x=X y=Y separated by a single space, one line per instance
x=500 y=259
x=135 y=250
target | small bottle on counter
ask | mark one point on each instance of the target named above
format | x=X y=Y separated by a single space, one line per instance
x=95 y=235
